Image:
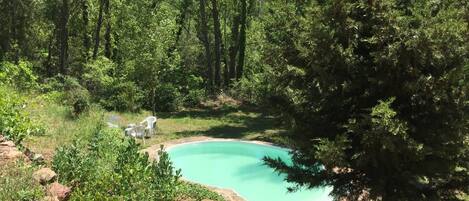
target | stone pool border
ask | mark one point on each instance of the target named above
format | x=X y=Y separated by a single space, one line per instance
x=228 y=194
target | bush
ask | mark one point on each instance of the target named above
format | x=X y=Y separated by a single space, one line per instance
x=254 y=89
x=97 y=76
x=76 y=96
x=14 y=122
x=122 y=96
x=194 y=97
x=195 y=91
x=167 y=98
x=19 y=75
x=106 y=166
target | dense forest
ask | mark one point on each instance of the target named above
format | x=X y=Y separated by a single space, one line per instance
x=374 y=92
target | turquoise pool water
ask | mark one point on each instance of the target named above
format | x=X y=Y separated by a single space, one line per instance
x=239 y=166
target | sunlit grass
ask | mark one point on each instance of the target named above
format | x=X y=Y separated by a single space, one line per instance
x=232 y=122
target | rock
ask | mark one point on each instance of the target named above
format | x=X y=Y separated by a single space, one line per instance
x=44 y=176
x=38 y=158
x=11 y=154
x=2 y=139
x=50 y=198
x=59 y=191
x=7 y=144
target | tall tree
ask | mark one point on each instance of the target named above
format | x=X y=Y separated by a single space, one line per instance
x=206 y=43
x=242 y=40
x=86 y=37
x=218 y=42
x=63 y=37
x=107 y=33
x=377 y=94
x=180 y=21
x=15 y=18
x=99 y=24
x=233 y=49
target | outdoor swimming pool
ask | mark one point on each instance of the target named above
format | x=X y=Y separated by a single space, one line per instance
x=239 y=166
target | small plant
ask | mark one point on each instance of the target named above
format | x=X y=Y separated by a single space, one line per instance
x=16 y=183
x=79 y=99
x=20 y=75
x=14 y=122
x=107 y=166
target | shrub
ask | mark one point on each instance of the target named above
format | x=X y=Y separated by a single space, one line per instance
x=194 y=97
x=254 y=89
x=121 y=96
x=52 y=84
x=106 y=166
x=80 y=100
x=97 y=76
x=195 y=93
x=167 y=98
x=19 y=75
x=14 y=122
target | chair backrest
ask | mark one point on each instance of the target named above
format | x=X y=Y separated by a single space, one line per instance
x=151 y=121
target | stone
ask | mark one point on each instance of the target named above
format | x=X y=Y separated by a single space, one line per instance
x=11 y=154
x=2 y=139
x=38 y=158
x=7 y=144
x=50 y=198
x=44 y=176
x=59 y=191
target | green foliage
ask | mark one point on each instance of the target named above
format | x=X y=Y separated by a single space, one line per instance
x=167 y=98
x=15 y=124
x=122 y=96
x=20 y=75
x=76 y=96
x=194 y=94
x=376 y=93
x=194 y=97
x=254 y=89
x=107 y=166
x=198 y=192
x=17 y=183
x=98 y=74
x=111 y=92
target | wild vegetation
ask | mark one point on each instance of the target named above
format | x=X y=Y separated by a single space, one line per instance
x=371 y=96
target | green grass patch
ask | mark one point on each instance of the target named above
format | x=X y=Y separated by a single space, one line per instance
x=17 y=183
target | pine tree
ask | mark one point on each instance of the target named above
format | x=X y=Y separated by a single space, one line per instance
x=377 y=94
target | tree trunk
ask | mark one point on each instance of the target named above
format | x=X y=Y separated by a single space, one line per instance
x=233 y=50
x=98 y=29
x=63 y=37
x=242 y=40
x=107 y=34
x=206 y=43
x=48 y=64
x=218 y=43
x=180 y=22
x=86 y=38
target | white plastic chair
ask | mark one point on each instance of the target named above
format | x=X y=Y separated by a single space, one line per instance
x=136 y=131
x=150 y=125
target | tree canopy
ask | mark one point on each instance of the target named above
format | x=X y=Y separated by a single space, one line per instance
x=375 y=92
